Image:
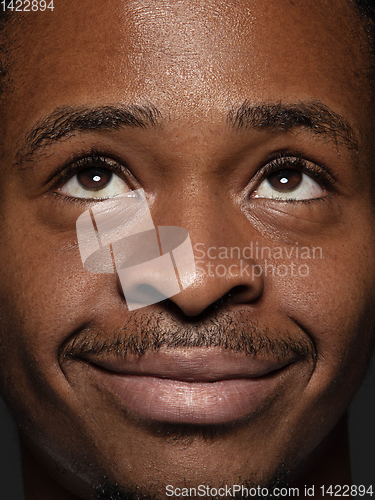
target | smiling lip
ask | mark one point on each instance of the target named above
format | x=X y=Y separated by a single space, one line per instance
x=201 y=386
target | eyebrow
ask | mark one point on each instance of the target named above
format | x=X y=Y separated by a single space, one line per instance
x=66 y=121
x=278 y=117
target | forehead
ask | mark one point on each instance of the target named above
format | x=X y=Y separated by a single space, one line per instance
x=189 y=58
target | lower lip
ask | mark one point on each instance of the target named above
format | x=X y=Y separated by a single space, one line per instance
x=177 y=401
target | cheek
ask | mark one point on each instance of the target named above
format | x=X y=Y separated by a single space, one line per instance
x=45 y=295
x=39 y=277
x=334 y=304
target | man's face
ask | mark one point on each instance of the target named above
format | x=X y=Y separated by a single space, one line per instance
x=243 y=373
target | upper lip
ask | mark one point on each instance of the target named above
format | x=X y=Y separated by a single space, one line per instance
x=191 y=365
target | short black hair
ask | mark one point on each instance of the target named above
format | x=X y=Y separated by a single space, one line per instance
x=366 y=9
x=367 y=6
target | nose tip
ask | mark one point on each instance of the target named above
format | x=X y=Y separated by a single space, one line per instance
x=233 y=283
x=238 y=283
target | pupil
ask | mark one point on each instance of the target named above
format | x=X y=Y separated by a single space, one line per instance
x=285 y=180
x=94 y=178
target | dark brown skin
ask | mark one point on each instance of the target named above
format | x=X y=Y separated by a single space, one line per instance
x=193 y=61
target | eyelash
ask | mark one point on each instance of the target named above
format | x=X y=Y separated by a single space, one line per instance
x=80 y=161
x=286 y=162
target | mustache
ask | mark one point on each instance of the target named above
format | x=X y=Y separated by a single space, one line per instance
x=144 y=333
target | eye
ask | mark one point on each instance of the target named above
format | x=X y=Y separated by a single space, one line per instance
x=292 y=183
x=94 y=182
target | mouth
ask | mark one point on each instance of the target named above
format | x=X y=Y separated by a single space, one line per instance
x=194 y=386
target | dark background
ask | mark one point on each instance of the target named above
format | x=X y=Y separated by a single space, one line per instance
x=362 y=439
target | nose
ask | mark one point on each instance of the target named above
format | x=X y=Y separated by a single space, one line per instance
x=193 y=269
x=223 y=240
x=192 y=276
x=193 y=264
x=221 y=278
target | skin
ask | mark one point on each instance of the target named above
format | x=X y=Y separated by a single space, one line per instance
x=192 y=60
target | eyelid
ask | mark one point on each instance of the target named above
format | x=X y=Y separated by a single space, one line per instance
x=79 y=161
x=317 y=172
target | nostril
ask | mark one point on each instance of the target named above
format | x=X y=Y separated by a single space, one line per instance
x=241 y=293
x=182 y=308
x=146 y=293
x=236 y=290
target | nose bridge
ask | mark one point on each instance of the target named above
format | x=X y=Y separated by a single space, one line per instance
x=211 y=221
x=202 y=209
x=195 y=200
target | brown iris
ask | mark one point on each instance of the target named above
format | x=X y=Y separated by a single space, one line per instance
x=285 y=180
x=94 y=179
